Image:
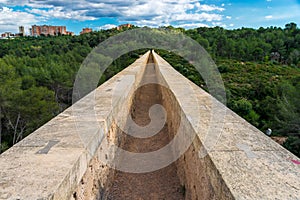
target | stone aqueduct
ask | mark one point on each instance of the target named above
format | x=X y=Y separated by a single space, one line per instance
x=66 y=158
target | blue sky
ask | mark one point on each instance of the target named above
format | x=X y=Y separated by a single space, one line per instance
x=103 y=14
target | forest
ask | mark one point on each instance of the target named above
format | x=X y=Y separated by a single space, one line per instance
x=260 y=69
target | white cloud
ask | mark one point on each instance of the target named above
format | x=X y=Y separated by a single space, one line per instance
x=142 y=12
x=197 y=17
x=288 y=15
x=208 y=8
x=191 y=25
x=107 y=26
x=219 y=24
x=269 y=17
x=60 y=13
x=228 y=17
x=10 y=20
x=164 y=12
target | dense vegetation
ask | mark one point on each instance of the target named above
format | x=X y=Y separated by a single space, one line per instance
x=261 y=72
x=37 y=76
x=260 y=69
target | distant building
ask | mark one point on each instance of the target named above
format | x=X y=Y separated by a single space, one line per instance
x=86 y=30
x=21 y=31
x=124 y=26
x=70 y=33
x=48 y=30
x=7 y=35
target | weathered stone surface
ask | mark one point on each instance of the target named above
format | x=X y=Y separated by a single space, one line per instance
x=63 y=159
x=242 y=162
x=51 y=162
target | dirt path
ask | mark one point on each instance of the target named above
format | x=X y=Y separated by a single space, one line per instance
x=161 y=184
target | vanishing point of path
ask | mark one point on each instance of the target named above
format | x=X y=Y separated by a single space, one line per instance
x=161 y=184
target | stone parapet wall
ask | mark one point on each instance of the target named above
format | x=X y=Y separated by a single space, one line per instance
x=241 y=161
x=64 y=158
x=61 y=159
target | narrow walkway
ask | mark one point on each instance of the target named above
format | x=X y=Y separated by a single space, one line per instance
x=161 y=184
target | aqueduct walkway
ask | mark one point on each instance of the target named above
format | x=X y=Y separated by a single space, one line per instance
x=66 y=158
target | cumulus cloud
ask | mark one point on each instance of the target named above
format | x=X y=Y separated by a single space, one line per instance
x=197 y=17
x=208 y=8
x=10 y=19
x=60 y=13
x=107 y=26
x=140 y=12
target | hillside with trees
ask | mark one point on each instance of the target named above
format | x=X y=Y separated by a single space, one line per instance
x=260 y=69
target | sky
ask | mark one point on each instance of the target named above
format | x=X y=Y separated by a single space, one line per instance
x=105 y=14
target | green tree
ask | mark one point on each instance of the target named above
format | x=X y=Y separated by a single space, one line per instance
x=294 y=57
x=9 y=85
x=244 y=108
x=258 y=54
x=288 y=118
x=293 y=145
x=28 y=110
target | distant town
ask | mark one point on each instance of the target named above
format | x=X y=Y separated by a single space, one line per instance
x=46 y=30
